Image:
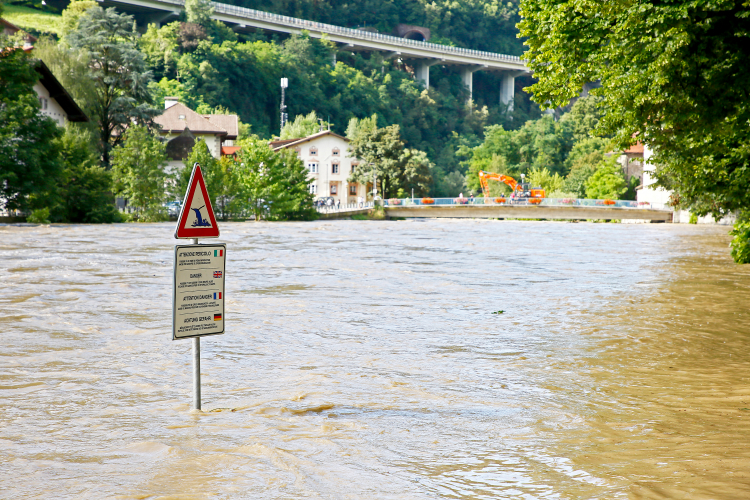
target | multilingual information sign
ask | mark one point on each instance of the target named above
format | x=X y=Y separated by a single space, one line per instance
x=198 y=297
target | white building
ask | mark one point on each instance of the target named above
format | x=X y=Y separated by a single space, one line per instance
x=326 y=156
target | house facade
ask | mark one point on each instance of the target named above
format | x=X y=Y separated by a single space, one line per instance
x=631 y=161
x=54 y=100
x=329 y=165
x=658 y=197
x=182 y=127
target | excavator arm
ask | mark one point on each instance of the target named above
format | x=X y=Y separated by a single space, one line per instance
x=485 y=177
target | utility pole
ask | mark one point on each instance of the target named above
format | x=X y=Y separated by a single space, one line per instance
x=284 y=116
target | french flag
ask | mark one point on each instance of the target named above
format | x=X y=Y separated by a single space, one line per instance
x=217 y=295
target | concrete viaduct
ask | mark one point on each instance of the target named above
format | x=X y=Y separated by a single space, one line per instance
x=420 y=54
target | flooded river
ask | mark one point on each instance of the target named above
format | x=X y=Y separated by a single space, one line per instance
x=362 y=361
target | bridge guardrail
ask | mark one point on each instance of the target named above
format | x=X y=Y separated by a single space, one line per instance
x=354 y=33
x=506 y=201
x=348 y=207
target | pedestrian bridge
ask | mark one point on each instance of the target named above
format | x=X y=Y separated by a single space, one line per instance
x=420 y=54
x=547 y=208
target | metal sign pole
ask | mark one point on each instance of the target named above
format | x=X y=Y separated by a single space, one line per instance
x=196 y=366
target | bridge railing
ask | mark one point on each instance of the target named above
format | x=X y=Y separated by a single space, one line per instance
x=346 y=207
x=234 y=10
x=507 y=201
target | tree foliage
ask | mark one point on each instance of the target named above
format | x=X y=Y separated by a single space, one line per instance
x=199 y=12
x=385 y=160
x=607 y=182
x=541 y=177
x=302 y=126
x=538 y=144
x=83 y=191
x=29 y=151
x=220 y=178
x=138 y=168
x=119 y=73
x=273 y=185
x=673 y=74
x=741 y=239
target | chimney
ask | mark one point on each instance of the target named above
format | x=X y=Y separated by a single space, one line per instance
x=170 y=101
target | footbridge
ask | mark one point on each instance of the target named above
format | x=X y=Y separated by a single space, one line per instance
x=565 y=209
x=420 y=54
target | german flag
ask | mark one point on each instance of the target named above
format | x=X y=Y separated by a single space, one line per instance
x=217 y=317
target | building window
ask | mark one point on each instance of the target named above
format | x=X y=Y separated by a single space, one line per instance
x=313 y=166
x=181 y=117
x=333 y=189
x=313 y=188
x=354 y=166
x=352 y=189
x=313 y=151
x=335 y=167
x=43 y=103
x=335 y=152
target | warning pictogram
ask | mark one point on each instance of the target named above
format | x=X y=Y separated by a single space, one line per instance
x=197 y=218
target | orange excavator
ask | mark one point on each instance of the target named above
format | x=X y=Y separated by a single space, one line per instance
x=521 y=190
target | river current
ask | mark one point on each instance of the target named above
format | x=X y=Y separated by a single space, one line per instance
x=362 y=360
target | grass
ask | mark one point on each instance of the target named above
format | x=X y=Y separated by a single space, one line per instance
x=34 y=21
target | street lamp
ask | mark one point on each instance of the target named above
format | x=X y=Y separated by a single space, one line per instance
x=284 y=116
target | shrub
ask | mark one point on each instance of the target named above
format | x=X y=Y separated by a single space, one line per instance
x=39 y=216
x=741 y=241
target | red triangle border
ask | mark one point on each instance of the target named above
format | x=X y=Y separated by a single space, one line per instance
x=182 y=232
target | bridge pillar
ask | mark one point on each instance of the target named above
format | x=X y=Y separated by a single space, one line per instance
x=508 y=88
x=467 y=77
x=422 y=71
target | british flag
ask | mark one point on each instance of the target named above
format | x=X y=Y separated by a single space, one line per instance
x=217 y=274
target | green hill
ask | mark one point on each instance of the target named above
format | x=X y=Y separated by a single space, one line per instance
x=33 y=21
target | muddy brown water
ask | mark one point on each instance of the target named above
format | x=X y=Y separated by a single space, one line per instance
x=362 y=361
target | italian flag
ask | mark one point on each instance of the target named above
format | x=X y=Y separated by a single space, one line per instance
x=218 y=253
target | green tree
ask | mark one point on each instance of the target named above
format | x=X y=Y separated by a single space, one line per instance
x=220 y=177
x=138 y=167
x=199 y=12
x=302 y=126
x=741 y=239
x=72 y=14
x=673 y=74
x=119 y=72
x=273 y=185
x=83 y=191
x=607 y=182
x=546 y=180
x=385 y=160
x=29 y=150
x=417 y=174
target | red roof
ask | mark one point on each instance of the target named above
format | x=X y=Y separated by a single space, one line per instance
x=635 y=148
x=229 y=150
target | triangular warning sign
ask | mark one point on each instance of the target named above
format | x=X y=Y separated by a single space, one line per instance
x=197 y=218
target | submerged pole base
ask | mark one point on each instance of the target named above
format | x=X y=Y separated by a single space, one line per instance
x=196 y=373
